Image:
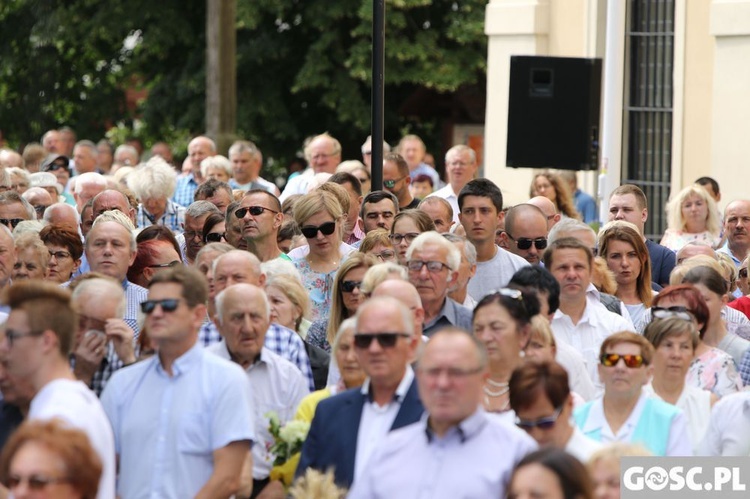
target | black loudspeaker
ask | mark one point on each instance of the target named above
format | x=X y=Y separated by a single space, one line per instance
x=553 y=112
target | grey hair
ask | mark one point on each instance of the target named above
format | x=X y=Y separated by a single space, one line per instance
x=346 y=325
x=279 y=266
x=199 y=208
x=250 y=258
x=90 y=178
x=566 y=227
x=470 y=251
x=244 y=146
x=219 y=300
x=100 y=286
x=5 y=179
x=10 y=197
x=62 y=206
x=380 y=303
x=379 y=273
x=28 y=227
x=14 y=170
x=120 y=218
x=89 y=145
x=128 y=149
x=217 y=161
x=441 y=201
x=432 y=237
x=155 y=179
x=459 y=149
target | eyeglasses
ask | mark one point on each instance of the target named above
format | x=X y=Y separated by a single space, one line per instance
x=631 y=361
x=742 y=274
x=453 y=373
x=670 y=312
x=386 y=340
x=11 y=335
x=386 y=255
x=167 y=305
x=310 y=231
x=349 y=286
x=322 y=156
x=525 y=243
x=432 y=266
x=215 y=237
x=34 y=482
x=11 y=221
x=255 y=211
x=59 y=255
x=165 y=265
x=390 y=184
x=397 y=238
x=541 y=423
x=192 y=234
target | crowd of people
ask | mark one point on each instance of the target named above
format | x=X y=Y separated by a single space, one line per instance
x=160 y=319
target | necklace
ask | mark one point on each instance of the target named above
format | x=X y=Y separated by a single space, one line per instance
x=499 y=393
x=503 y=408
x=497 y=384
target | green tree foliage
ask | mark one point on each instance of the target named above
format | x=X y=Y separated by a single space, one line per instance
x=303 y=66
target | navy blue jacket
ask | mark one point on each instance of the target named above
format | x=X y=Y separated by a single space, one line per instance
x=663 y=261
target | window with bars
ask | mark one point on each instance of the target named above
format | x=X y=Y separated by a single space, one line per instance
x=647 y=127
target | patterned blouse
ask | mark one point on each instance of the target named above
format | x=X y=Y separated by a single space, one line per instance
x=715 y=371
x=320 y=287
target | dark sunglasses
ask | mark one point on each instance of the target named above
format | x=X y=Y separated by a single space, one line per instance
x=386 y=340
x=167 y=305
x=742 y=274
x=255 y=211
x=349 y=286
x=310 y=231
x=34 y=482
x=611 y=360
x=11 y=221
x=525 y=243
x=670 y=312
x=390 y=184
x=541 y=423
x=56 y=166
x=215 y=237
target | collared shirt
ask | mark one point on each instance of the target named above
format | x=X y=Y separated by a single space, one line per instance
x=377 y=420
x=679 y=441
x=185 y=190
x=473 y=459
x=452 y=314
x=280 y=340
x=77 y=406
x=134 y=296
x=744 y=368
x=727 y=433
x=298 y=184
x=277 y=387
x=356 y=236
x=495 y=273
x=168 y=427
x=587 y=336
x=173 y=217
x=580 y=446
x=449 y=195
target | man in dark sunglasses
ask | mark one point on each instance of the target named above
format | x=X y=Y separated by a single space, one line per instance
x=260 y=219
x=451 y=373
x=526 y=232
x=346 y=428
x=14 y=209
x=221 y=415
x=396 y=180
x=626 y=413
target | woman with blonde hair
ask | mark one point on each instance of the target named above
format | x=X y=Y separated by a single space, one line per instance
x=289 y=301
x=347 y=297
x=378 y=244
x=551 y=186
x=621 y=245
x=604 y=467
x=692 y=215
x=321 y=220
x=32 y=257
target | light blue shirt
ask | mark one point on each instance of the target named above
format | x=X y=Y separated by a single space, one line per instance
x=167 y=428
x=473 y=459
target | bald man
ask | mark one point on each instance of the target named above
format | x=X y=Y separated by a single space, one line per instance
x=407 y=294
x=199 y=149
x=548 y=208
x=526 y=232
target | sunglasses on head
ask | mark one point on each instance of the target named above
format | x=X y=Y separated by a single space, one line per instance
x=525 y=243
x=349 y=286
x=631 y=361
x=255 y=211
x=215 y=237
x=670 y=312
x=310 y=231
x=11 y=221
x=167 y=305
x=386 y=340
x=541 y=423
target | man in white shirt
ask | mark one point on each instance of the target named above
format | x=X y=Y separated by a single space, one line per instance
x=39 y=335
x=461 y=167
x=481 y=206
x=727 y=433
x=579 y=322
x=323 y=154
x=277 y=386
x=247 y=161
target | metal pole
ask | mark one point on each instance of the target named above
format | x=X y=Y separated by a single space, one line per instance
x=378 y=63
